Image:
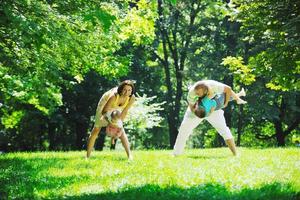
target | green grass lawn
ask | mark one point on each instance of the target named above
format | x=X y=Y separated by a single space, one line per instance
x=198 y=174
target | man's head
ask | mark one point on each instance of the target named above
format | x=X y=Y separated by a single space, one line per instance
x=201 y=90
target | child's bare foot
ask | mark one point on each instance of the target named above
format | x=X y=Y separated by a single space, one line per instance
x=242 y=93
x=241 y=101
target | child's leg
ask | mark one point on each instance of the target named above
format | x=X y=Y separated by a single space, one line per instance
x=242 y=93
x=237 y=96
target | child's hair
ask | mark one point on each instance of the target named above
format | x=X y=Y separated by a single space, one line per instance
x=200 y=112
x=115 y=113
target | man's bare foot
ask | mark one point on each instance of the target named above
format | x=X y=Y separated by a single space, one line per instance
x=130 y=157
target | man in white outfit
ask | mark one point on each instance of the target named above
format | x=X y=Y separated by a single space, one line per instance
x=209 y=88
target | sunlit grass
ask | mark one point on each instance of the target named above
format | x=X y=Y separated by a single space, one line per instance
x=198 y=174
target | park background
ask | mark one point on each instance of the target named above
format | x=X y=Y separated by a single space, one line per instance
x=57 y=58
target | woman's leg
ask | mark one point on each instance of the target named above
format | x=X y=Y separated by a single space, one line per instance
x=100 y=122
x=217 y=120
x=91 y=141
x=190 y=121
x=125 y=144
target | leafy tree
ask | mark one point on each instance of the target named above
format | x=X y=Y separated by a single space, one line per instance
x=143 y=116
x=49 y=46
x=269 y=36
x=277 y=54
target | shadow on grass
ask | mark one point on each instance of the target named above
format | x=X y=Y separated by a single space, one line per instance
x=20 y=177
x=206 y=192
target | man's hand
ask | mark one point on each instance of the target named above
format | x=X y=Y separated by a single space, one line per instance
x=192 y=107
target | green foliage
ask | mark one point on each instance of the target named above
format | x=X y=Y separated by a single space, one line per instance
x=241 y=72
x=49 y=48
x=210 y=174
x=138 y=24
x=10 y=121
x=45 y=42
x=271 y=30
x=144 y=115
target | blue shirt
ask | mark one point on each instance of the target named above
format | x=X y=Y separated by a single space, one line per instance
x=207 y=104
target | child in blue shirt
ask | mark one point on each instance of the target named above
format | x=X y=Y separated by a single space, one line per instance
x=206 y=106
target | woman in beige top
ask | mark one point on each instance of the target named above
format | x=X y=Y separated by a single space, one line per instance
x=119 y=98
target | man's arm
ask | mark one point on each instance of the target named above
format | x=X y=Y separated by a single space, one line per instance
x=192 y=107
x=227 y=91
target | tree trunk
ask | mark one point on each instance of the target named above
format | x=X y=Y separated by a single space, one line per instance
x=279 y=133
x=173 y=131
x=239 y=126
x=101 y=140
x=218 y=141
x=170 y=50
x=52 y=137
x=81 y=130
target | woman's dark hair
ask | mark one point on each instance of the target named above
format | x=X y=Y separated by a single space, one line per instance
x=123 y=84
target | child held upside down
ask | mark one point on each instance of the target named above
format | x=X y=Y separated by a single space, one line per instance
x=205 y=106
x=114 y=129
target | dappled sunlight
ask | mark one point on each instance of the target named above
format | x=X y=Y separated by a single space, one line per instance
x=205 y=173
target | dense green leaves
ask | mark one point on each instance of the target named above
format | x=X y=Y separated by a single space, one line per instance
x=43 y=43
x=58 y=57
x=272 y=30
x=143 y=116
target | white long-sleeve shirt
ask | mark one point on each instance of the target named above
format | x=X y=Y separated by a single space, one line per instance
x=214 y=87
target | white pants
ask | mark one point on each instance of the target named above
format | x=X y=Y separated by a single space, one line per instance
x=191 y=121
